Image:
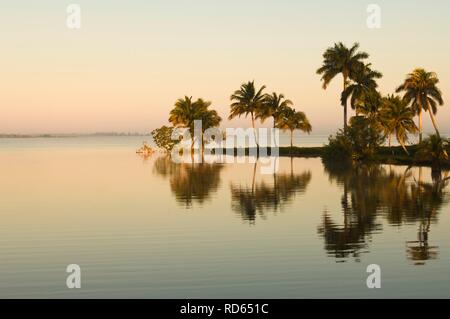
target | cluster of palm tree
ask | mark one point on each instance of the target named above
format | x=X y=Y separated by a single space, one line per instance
x=186 y=112
x=397 y=118
x=245 y=101
x=423 y=95
x=394 y=114
x=254 y=102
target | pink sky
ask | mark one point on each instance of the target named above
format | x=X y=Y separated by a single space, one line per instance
x=129 y=62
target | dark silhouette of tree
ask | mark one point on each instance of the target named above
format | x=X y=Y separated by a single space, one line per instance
x=371 y=192
x=189 y=183
x=263 y=196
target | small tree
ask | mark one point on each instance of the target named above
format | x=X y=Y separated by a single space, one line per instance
x=339 y=149
x=291 y=120
x=163 y=138
x=434 y=149
x=359 y=142
x=365 y=136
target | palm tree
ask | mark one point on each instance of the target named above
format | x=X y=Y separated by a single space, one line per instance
x=363 y=84
x=370 y=104
x=210 y=119
x=272 y=107
x=247 y=100
x=396 y=117
x=291 y=120
x=185 y=112
x=183 y=115
x=341 y=60
x=434 y=149
x=423 y=94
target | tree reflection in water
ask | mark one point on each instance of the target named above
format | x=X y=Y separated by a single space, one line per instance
x=431 y=197
x=373 y=191
x=190 y=182
x=263 y=196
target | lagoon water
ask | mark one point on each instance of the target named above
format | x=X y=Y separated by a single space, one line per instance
x=148 y=228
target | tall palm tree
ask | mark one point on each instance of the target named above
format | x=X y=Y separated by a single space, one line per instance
x=397 y=118
x=292 y=120
x=363 y=84
x=247 y=100
x=341 y=60
x=272 y=107
x=423 y=94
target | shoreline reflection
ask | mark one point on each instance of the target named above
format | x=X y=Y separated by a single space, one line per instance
x=373 y=191
x=262 y=196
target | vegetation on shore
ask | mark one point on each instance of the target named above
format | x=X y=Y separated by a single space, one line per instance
x=378 y=118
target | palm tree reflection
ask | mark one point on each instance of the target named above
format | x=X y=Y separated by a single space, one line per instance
x=432 y=198
x=190 y=182
x=371 y=192
x=359 y=208
x=264 y=196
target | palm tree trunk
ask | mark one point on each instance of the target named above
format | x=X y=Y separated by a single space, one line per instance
x=192 y=145
x=292 y=145
x=390 y=138
x=292 y=134
x=345 y=106
x=203 y=148
x=434 y=122
x=254 y=130
x=420 y=124
x=402 y=144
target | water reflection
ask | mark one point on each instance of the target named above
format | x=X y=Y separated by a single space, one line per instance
x=190 y=182
x=371 y=192
x=263 y=196
x=372 y=196
x=432 y=198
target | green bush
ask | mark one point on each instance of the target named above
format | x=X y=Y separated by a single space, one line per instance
x=433 y=149
x=358 y=143
x=163 y=138
x=339 y=148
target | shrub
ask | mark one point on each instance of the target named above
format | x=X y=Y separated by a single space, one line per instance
x=433 y=149
x=339 y=148
x=359 y=142
x=163 y=138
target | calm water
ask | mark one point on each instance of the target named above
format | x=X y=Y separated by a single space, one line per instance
x=146 y=227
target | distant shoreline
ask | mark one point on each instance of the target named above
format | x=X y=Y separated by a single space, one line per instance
x=72 y=135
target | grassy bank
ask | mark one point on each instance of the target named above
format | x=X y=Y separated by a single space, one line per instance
x=287 y=151
x=396 y=155
x=385 y=155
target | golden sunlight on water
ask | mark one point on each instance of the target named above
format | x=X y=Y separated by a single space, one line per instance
x=151 y=228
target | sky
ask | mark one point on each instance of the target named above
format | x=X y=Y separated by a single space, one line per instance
x=130 y=61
